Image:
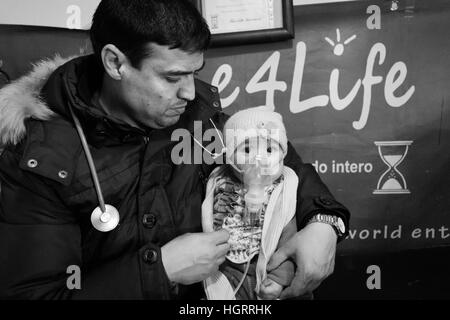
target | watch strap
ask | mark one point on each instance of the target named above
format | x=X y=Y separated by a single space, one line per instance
x=332 y=220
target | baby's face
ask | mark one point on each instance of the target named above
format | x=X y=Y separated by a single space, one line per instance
x=263 y=150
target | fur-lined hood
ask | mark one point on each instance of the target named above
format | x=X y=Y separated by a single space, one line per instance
x=20 y=100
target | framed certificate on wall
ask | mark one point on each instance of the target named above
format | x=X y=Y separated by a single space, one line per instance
x=235 y=22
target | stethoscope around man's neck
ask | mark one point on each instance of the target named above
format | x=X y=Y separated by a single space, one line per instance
x=105 y=217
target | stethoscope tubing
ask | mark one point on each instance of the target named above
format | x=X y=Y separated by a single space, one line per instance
x=88 y=154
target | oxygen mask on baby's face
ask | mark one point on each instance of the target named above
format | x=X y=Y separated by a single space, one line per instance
x=258 y=162
x=258 y=159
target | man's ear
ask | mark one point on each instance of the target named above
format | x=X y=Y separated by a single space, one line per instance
x=113 y=61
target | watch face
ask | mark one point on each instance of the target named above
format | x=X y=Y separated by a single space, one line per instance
x=341 y=225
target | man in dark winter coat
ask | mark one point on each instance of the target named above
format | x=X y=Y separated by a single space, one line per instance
x=129 y=96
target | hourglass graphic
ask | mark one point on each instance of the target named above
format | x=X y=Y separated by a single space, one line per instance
x=392 y=153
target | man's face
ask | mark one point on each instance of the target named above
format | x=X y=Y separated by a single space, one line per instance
x=157 y=93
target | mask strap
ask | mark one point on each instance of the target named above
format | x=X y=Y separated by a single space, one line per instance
x=213 y=155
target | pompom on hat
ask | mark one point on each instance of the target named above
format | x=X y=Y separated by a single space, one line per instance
x=254 y=122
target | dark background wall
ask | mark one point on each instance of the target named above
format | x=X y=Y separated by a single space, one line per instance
x=403 y=227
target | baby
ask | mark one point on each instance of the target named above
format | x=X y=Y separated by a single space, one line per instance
x=253 y=197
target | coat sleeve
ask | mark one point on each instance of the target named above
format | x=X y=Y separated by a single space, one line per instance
x=40 y=240
x=313 y=196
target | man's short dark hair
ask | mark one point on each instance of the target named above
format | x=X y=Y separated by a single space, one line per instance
x=131 y=25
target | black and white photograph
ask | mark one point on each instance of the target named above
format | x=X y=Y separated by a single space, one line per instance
x=243 y=158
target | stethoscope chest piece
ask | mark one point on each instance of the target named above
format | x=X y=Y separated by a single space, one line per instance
x=105 y=221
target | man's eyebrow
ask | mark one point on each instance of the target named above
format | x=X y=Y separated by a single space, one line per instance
x=183 y=73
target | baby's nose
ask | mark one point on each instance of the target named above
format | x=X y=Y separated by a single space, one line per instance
x=262 y=159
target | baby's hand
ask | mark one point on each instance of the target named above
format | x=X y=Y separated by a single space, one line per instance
x=270 y=290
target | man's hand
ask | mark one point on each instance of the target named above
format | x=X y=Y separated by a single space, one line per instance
x=193 y=257
x=313 y=249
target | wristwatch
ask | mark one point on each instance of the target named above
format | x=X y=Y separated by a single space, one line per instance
x=336 y=222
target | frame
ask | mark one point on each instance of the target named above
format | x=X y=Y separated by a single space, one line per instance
x=280 y=24
x=308 y=2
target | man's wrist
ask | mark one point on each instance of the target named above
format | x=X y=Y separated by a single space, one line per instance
x=334 y=221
